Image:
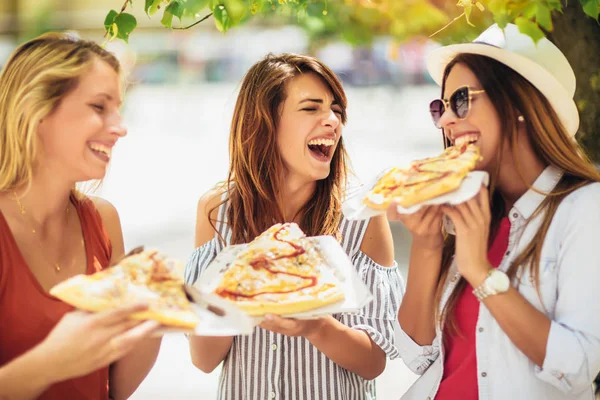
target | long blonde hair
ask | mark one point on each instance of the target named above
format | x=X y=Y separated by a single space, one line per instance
x=256 y=166
x=512 y=95
x=35 y=78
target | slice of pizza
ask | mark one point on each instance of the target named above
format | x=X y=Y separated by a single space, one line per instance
x=280 y=272
x=425 y=179
x=147 y=277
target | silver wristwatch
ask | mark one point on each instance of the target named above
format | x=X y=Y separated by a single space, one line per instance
x=495 y=283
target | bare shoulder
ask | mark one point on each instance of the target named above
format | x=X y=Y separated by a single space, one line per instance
x=207 y=211
x=107 y=210
x=377 y=242
x=112 y=223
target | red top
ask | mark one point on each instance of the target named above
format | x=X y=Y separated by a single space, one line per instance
x=460 y=363
x=29 y=313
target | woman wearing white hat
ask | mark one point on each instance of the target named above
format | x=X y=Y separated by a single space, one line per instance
x=506 y=305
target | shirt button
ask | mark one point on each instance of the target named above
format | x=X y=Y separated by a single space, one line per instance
x=515 y=215
x=508 y=252
x=481 y=330
x=272 y=395
x=273 y=347
x=454 y=278
x=483 y=374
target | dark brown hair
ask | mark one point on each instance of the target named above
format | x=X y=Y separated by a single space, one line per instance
x=256 y=166
x=512 y=95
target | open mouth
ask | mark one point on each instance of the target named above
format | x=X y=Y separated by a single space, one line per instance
x=101 y=151
x=466 y=139
x=321 y=148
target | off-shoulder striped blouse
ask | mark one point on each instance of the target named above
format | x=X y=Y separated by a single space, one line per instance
x=266 y=365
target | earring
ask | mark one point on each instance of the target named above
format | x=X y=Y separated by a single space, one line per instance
x=521 y=118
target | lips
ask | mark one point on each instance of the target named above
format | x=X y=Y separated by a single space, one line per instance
x=321 y=148
x=466 y=139
x=102 y=151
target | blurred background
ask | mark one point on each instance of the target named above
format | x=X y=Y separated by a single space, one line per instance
x=182 y=89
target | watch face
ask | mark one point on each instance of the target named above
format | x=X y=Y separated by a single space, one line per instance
x=499 y=281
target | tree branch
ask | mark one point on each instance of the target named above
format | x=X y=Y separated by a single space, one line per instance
x=447 y=25
x=195 y=23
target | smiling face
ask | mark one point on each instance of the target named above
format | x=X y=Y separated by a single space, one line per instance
x=309 y=128
x=481 y=125
x=78 y=136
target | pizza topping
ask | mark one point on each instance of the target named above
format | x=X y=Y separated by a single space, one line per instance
x=276 y=279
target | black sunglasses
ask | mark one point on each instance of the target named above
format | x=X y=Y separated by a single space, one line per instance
x=459 y=102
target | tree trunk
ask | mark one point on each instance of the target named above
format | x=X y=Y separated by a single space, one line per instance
x=578 y=37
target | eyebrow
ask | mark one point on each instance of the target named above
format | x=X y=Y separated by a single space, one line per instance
x=109 y=98
x=320 y=101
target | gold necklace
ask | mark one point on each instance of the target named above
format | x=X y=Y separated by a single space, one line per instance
x=55 y=265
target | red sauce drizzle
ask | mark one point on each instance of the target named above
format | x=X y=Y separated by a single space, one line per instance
x=266 y=263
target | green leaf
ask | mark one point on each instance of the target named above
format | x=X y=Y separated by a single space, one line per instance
x=173 y=9
x=110 y=18
x=529 y=10
x=591 y=7
x=222 y=20
x=497 y=7
x=544 y=17
x=126 y=23
x=236 y=9
x=193 y=7
x=152 y=6
x=502 y=20
x=529 y=28
x=468 y=15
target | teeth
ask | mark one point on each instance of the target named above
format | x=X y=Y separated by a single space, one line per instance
x=323 y=142
x=101 y=148
x=469 y=138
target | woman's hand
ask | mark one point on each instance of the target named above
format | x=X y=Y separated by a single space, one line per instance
x=290 y=326
x=471 y=221
x=425 y=225
x=83 y=342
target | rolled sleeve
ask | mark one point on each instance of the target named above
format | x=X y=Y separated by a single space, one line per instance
x=573 y=348
x=416 y=357
x=378 y=318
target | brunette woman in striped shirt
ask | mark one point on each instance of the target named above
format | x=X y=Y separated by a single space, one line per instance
x=285 y=103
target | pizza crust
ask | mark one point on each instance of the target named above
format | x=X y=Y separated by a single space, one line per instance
x=426 y=179
x=114 y=287
x=264 y=280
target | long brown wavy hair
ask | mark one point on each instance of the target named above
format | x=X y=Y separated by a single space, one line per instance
x=512 y=95
x=256 y=166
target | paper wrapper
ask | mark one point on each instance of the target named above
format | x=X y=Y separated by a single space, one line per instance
x=353 y=207
x=356 y=294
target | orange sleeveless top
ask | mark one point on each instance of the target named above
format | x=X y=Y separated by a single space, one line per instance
x=28 y=313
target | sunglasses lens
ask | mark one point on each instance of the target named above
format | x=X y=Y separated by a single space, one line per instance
x=436 y=109
x=460 y=102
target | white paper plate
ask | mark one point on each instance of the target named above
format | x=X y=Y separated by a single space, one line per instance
x=356 y=294
x=353 y=208
x=218 y=317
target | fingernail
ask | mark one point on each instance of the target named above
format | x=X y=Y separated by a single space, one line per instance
x=269 y=317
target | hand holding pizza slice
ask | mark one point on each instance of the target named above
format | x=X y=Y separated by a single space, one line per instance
x=425 y=179
x=144 y=277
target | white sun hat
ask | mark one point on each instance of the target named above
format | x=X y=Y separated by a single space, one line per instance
x=544 y=65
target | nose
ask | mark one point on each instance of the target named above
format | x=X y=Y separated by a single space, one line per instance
x=332 y=120
x=117 y=127
x=448 y=119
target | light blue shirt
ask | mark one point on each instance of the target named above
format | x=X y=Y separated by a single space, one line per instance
x=570 y=293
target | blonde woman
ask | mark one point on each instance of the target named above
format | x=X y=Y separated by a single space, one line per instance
x=506 y=307
x=59 y=107
x=288 y=163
